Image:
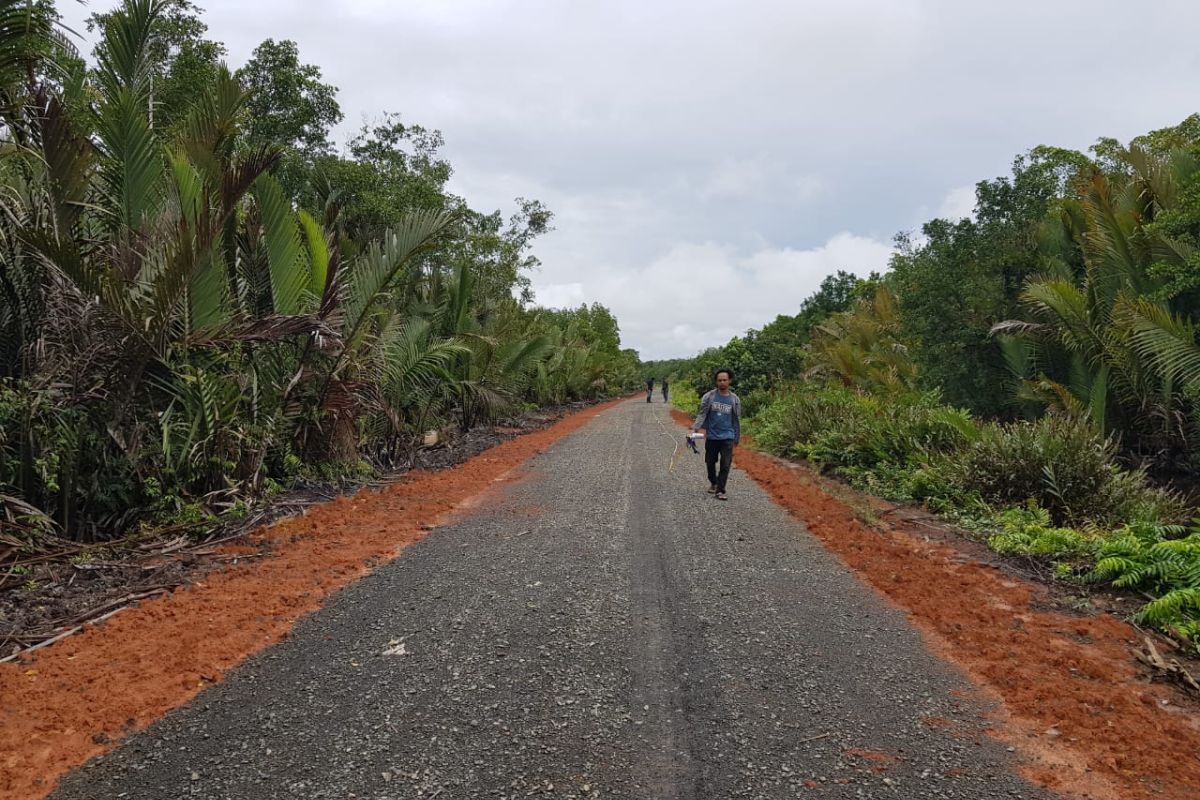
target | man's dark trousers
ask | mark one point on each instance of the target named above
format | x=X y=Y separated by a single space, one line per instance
x=714 y=450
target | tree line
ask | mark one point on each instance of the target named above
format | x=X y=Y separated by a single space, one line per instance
x=202 y=298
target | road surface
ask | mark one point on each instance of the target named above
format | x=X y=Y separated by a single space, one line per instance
x=600 y=628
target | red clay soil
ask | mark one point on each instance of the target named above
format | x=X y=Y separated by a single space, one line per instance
x=78 y=697
x=1070 y=697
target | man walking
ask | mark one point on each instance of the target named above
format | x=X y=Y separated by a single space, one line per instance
x=649 y=389
x=665 y=399
x=721 y=417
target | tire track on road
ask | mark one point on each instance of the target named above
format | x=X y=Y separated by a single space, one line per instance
x=663 y=630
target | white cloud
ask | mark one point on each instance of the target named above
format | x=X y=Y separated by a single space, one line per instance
x=733 y=178
x=696 y=295
x=958 y=203
x=808 y=187
x=561 y=295
x=744 y=178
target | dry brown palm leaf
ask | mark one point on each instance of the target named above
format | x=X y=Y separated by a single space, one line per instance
x=271 y=328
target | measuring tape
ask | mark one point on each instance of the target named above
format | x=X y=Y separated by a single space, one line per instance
x=691 y=440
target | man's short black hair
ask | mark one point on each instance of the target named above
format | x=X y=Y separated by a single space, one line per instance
x=728 y=372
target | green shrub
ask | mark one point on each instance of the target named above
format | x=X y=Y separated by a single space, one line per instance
x=933 y=485
x=1029 y=531
x=1065 y=467
x=62 y=461
x=1140 y=501
x=685 y=399
x=767 y=426
x=755 y=400
x=851 y=431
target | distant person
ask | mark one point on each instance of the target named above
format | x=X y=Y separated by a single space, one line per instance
x=649 y=389
x=665 y=390
x=721 y=418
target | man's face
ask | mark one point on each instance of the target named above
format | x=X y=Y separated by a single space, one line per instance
x=722 y=380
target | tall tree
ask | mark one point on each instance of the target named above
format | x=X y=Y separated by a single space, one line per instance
x=966 y=276
x=390 y=170
x=290 y=105
x=184 y=64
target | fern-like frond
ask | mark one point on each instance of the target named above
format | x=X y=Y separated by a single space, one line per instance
x=1170 y=343
x=373 y=274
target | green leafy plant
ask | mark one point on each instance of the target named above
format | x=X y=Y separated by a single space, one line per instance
x=1029 y=531
x=1161 y=560
x=1065 y=467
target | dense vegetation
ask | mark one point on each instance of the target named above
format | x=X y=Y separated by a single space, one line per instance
x=202 y=298
x=1033 y=371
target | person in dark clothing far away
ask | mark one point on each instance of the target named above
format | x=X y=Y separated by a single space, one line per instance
x=664 y=390
x=721 y=418
x=649 y=389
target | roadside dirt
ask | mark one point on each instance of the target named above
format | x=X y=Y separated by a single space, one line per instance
x=77 y=698
x=1072 y=699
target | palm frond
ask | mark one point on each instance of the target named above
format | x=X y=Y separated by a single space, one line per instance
x=122 y=56
x=212 y=122
x=268 y=329
x=1068 y=307
x=517 y=358
x=26 y=30
x=318 y=252
x=1011 y=327
x=372 y=275
x=415 y=362
x=1167 y=341
x=284 y=252
x=131 y=163
x=69 y=157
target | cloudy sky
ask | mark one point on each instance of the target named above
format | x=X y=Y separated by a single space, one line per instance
x=709 y=163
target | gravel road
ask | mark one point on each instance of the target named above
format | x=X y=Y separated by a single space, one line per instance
x=600 y=628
